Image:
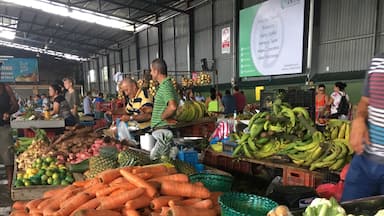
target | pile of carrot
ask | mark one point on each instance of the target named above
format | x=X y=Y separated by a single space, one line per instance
x=154 y=190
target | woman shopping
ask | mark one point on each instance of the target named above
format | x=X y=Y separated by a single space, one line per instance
x=339 y=102
x=61 y=106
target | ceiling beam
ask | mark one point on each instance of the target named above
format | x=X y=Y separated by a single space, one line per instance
x=131 y=20
x=64 y=39
x=163 y=6
x=129 y=6
x=33 y=22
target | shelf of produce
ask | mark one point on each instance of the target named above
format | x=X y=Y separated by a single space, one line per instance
x=57 y=123
x=292 y=174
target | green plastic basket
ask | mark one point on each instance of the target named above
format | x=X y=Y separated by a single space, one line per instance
x=213 y=182
x=241 y=204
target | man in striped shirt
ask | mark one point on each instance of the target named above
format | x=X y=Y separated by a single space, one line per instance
x=365 y=176
x=165 y=101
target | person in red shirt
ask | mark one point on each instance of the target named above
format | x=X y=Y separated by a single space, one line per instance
x=240 y=100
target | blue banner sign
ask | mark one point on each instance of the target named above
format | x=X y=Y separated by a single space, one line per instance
x=19 y=70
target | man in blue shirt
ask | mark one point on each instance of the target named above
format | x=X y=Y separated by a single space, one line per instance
x=229 y=103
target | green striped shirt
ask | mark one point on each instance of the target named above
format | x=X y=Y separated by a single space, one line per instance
x=165 y=93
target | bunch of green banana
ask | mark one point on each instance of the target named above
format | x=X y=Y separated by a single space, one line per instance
x=338 y=155
x=337 y=129
x=190 y=111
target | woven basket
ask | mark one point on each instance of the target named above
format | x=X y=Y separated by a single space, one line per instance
x=241 y=204
x=213 y=182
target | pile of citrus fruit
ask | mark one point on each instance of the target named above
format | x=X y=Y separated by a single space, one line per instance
x=44 y=171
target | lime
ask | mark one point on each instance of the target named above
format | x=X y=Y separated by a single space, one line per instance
x=19 y=175
x=27 y=182
x=49 y=180
x=19 y=183
x=38 y=161
x=44 y=178
x=48 y=173
x=41 y=171
x=56 y=182
x=69 y=178
x=64 y=182
x=44 y=182
x=62 y=166
x=55 y=176
x=49 y=159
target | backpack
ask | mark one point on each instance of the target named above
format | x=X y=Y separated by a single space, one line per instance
x=343 y=107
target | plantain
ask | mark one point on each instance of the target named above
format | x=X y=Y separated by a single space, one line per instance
x=251 y=144
x=334 y=132
x=342 y=131
x=332 y=123
x=285 y=111
x=266 y=125
x=347 y=131
x=244 y=138
x=247 y=152
x=301 y=111
x=335 y=151
x=237 y=150
x=307 y=147
x=275 y=128
x=262 y=141
x=320 y=164
x=338 y=164
x=256 y=129
x=298 y=162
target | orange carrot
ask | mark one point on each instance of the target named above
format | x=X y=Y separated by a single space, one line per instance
x=93 y=212
x=108 y=176
x=171 y=170
x=91 y=204
x=190 y=211
x=81 y=183
x=215 y=197
x=36 y=214
x=116 y=192
x=162 y=201
x=204 y=204
x=112 y=202
x=150 y=190
x=36 y=211
x=19 y=205
x=130 y=212
x=75 y=197
x=155 y=214
x=53 y=192
x=144 y=175
x=164 y=211
x=139 y=202
x=199 y=184
x=94 y=188
x=91 y=182
x=190 y=201
x=118 y=180
x=174 y=177
x=173 y=188
x=76 y=201
x=157 y=168
x=19 y=213
x=106 y=191
x=33 y=204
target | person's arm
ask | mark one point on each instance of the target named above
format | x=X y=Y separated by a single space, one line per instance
x=56 y=108
x=145 y=114
x=359 y=131
x=170 y=110
x=14 y=105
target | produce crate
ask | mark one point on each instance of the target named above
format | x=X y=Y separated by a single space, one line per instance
x=31 y=192
x=190 y=156
x=50 y=132
x=210 y=158
x=301 y=177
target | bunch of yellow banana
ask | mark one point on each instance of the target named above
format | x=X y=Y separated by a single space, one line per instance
x=337 y=129
x=190 y=111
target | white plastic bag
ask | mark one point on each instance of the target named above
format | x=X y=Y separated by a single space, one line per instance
x=123 y=132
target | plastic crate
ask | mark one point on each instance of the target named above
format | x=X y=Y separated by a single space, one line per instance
x=87 y=123
x=241 y=204
x=30 y=133
x=213 y=182
x=301 y=177
x=190 y=156
x=210 y=158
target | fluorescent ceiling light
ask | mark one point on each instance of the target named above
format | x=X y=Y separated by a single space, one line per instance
x=43 y=51
x=75 y=13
